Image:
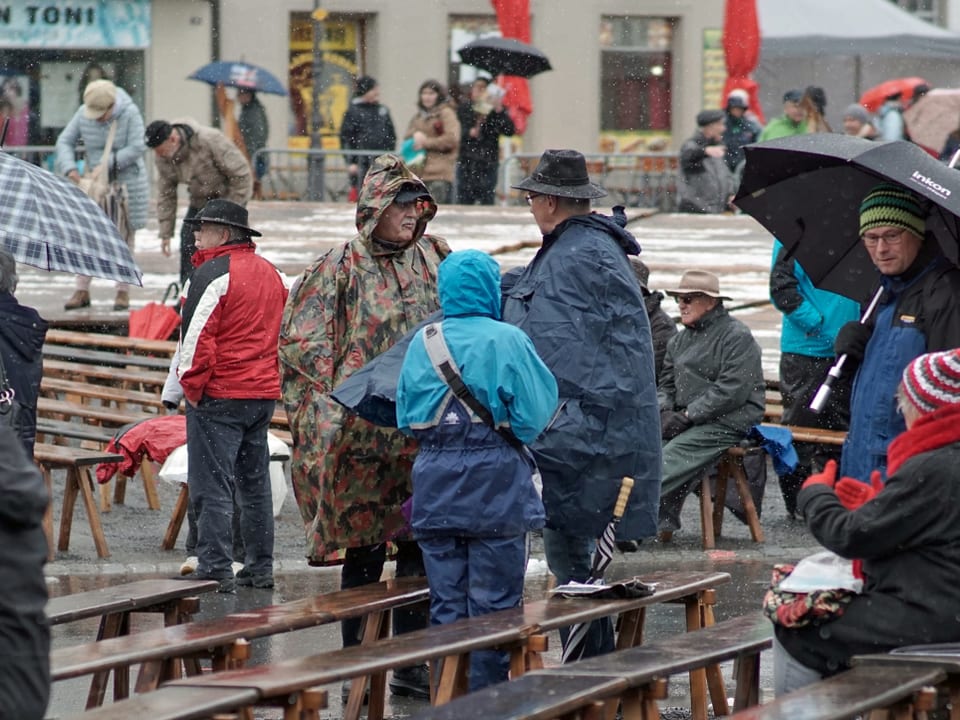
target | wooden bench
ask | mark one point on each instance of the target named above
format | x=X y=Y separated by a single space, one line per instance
x=84 y=392
x=175 y=599
x=111 y=376
x=167 y=653
x=76 y=462
x=730 y=466
x=517 y=630
x=945 y=657
x=634 y=678
x=104 y=357
x=86 y=419
x=116 y=343
x=901 y=690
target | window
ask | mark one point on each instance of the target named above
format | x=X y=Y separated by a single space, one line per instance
x=636 y=71
x=929 y=10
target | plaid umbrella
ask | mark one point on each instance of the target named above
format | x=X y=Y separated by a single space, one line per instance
x=575 y=645
x=48 y=222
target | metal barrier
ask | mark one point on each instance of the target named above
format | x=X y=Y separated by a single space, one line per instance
x=42 y=155
x=631 y=179
x=307 y=174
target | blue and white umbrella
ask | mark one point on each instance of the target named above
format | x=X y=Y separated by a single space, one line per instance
x=48 y=222
x=240 y=75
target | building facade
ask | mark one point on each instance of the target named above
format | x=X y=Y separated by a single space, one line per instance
x=627 y=74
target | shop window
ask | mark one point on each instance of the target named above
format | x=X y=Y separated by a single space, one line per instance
x=636 y=73
x=340 y=45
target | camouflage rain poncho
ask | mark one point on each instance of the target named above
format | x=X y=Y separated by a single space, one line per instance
x=350 y=477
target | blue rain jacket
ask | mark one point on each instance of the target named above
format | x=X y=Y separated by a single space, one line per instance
x=581 y=304
x=811 y=317
x=468 y=480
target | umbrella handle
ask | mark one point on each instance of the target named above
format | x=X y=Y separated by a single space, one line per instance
x=621 y=505
x=823 y=393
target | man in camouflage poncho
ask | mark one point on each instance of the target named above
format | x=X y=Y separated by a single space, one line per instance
x=351 y=477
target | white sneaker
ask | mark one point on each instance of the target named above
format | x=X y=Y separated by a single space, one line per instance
x=237 y=567
x=189 y=565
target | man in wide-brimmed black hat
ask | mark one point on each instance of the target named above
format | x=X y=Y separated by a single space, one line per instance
x=231 y=380
x=582 y=306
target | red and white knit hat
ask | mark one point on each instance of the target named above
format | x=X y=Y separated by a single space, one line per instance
x=932 y=381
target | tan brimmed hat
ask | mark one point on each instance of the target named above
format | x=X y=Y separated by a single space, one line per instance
x=699 y=281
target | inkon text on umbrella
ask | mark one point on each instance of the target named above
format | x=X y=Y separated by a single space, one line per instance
x=241 y=75
x=48 y=222
x=807 y=191
x=504 y=56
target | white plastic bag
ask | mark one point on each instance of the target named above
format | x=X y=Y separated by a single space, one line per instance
x=174 y=470
x=822 y=571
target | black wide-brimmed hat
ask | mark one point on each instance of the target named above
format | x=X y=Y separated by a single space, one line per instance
x=223 y=212
x=562 y=173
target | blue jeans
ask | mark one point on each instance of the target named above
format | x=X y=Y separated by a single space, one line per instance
x=470 y=577
x=790 y=674
x=227 y=454
x=569 y=558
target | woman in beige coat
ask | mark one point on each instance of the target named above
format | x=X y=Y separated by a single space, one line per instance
x=436 y=130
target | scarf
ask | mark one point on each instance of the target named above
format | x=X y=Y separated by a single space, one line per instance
x=933 y=430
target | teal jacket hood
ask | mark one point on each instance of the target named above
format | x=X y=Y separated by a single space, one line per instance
x=469 y=284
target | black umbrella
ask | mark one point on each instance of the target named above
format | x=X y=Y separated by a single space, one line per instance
x=504 y=56
x=807 y=191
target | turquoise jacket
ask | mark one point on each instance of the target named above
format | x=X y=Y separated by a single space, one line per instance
x=468 y=480
x=811 y=317
x=497 y=361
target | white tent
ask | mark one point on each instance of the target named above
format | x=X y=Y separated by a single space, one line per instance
x=846 y=47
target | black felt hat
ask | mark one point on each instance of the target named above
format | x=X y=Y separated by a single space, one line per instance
x=157 y=132
x=223 y=212
x=562 y=173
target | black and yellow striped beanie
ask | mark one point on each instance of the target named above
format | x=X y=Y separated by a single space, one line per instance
x=890 y=205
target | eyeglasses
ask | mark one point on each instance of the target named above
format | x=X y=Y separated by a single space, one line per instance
x=688 y=299
x=890 y=237
x=530 y=197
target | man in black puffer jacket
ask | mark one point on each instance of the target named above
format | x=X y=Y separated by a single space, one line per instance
x=366 y=125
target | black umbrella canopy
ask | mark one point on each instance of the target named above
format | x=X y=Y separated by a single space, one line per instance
x=504 y=56
x=807 y=191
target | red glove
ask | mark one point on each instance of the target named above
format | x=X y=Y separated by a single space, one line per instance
x=828 y=477
x=853 y=493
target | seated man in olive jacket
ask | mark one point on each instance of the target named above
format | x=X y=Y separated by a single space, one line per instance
x=710 y=390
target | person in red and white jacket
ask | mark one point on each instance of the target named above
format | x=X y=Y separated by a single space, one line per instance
x=230 y=377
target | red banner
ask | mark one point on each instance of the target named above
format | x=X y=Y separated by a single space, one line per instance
x=741 y=46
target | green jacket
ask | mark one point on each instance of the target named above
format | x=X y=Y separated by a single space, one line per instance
x=782 y=127
x=713 y=371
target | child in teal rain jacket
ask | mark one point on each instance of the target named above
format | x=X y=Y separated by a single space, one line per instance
x=473 y=496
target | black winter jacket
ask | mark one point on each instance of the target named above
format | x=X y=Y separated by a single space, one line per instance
x=22 y=332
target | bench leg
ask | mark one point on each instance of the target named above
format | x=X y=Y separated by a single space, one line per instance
x=149 y=478
x=720 y=504
x=85 y=483
x=119 y=489
x=48 y=513
x=746 y=672
x=718 y=692
x=376 y=626
x=111 y=625
x=454 y=671
x=746 y=500
x=698 y=677
x=176 y=519
x=631 y=628
x=707 y=514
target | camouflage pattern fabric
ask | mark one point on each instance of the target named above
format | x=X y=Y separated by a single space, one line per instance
x=350 y=477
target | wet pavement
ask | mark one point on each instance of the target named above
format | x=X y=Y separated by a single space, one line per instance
x=734 y=246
